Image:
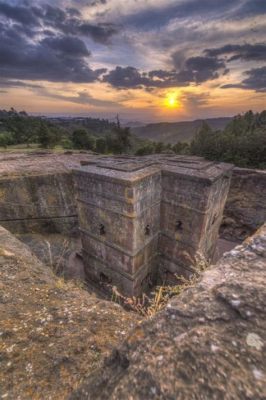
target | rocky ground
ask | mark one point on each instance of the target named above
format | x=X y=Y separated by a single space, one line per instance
x=209 y=343
x=14 y=164
x=53 y=334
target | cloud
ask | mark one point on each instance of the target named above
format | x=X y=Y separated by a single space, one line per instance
x=251 y=8
x=246 y=52
x=154 y=17
x=131 y=78
x=91 y=3
x=125 y=78
x=22 y=14
x=193 y=102
x=83 y=98
x=7 y=83
x=67 y=21
x=196 y=70
x=100 y=33
x=97 y=2
x=56 y=59
x=256 y=80
x=52 y=15
x=201 y=69
x=71 y=46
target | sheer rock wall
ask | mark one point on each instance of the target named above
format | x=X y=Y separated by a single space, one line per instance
x=245 y=209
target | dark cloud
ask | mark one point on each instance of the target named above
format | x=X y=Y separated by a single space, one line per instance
x=24 y=15
x=126 y=78
x=73 y=12
x=100 y=33
x=71 y=46
x=256 y=80
x=68 y=21
x=251 y=8
x=53 y=15
x=58 y=59
x=165 y=79
x=196 y=70
x=201 y=69
x=90 y=3
x=154 y=17
x=246 y=52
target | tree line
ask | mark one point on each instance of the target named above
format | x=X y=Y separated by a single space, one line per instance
x=76 y=133
x=242 y=142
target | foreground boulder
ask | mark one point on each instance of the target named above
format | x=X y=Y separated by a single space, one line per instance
x=52 y=334
x=209 y=343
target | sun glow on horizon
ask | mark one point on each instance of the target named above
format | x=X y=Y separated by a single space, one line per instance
x=171 y=101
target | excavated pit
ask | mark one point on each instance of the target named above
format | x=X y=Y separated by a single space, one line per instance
x=38 y=203
x=54 y=335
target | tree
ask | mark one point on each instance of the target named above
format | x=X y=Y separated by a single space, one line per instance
x=159 y=147
x=25 y=128
x=181 y=148
x=82 y=140
x=6 y=139
x=47 y=137
x=101 y=145
x=122 y=142
x=242 y=142
x=145 y=150
x=44 y=136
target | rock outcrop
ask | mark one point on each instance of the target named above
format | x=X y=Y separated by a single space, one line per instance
x=52 y=333
x=37 y=192
x=209 y=343
x=245 y=209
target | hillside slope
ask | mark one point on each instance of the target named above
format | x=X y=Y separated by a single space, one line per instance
x=173 y=132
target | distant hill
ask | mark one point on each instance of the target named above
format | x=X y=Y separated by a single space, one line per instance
x=173 y=132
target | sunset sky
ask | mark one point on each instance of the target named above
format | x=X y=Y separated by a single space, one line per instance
x=148 y=60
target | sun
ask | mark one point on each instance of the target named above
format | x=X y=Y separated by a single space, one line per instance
x=171 y=101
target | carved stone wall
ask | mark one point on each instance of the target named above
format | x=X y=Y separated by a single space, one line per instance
x=148 y=217
x=37 y=193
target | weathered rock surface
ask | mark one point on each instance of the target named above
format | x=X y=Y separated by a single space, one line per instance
x=37 y=192
x=37 y=195
x=52 y=334
x=245 y=209
x=209 y=343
